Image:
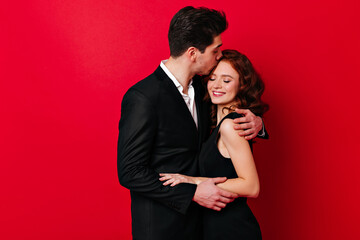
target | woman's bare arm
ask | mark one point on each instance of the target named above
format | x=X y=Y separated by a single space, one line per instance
x=247 y=184
x=238 y=149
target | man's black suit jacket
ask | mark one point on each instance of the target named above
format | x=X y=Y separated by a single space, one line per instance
x=157 y=134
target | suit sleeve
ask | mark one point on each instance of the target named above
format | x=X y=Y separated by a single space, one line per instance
x=263 y=133
x=137 y=133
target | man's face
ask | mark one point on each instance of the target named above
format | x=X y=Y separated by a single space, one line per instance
x=208 y=60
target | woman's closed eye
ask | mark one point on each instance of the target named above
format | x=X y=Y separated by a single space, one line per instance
x=212 y=78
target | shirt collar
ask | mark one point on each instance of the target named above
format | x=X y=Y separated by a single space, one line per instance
x=172 y=77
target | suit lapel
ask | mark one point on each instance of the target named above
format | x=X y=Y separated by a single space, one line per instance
x=174 y=95
x=202 y=112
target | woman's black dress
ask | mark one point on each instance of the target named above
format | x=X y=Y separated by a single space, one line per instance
x=235 y=221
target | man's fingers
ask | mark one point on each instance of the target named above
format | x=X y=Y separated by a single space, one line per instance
x=246 y=132
x=219 y=180
x=242 y=111
x=227 y=194
x=243 y=126
x=216 y=208
x=220 y=204
x=226 y=200
x=241 y=120
x=250 y=136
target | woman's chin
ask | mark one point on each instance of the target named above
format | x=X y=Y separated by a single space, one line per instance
x=217 y=102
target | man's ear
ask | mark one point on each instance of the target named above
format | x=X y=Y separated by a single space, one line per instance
x=191 y=53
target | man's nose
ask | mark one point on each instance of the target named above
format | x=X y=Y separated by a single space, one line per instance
x=219 y=55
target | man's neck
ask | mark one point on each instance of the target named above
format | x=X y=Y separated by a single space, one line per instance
x=180 y=68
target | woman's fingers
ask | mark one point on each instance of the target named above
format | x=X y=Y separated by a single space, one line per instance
x=165 y=178
x=170 y=181
x=176 y=182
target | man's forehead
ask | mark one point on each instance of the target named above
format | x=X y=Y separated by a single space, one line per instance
x=217 y=42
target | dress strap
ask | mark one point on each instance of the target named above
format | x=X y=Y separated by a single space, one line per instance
x=231 y=115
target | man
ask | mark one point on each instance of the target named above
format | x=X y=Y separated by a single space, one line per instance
x=163 y=123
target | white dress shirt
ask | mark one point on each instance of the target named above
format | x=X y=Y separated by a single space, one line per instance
x=188 y=98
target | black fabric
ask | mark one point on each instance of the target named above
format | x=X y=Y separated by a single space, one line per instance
x=157 y=134
x=235 y=221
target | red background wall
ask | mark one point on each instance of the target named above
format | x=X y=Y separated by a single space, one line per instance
x=65 y=65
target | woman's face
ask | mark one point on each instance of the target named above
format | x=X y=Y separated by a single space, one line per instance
x=223 y=84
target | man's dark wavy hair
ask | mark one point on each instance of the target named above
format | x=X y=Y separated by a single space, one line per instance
x=195 y=27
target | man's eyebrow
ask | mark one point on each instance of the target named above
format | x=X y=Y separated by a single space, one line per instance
x=219 y=45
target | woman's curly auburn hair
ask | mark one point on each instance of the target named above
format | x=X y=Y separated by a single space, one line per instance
x=251 y=86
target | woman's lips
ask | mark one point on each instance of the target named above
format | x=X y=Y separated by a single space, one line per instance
x=218 y=94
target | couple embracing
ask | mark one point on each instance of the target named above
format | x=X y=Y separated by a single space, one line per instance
x=186 y=183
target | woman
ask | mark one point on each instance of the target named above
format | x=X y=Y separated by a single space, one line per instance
x=232 y=84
